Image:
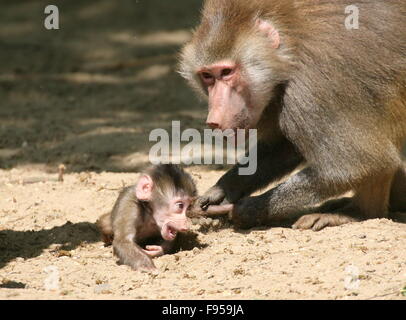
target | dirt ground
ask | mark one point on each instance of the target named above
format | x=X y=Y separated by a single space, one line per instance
x=88 y=96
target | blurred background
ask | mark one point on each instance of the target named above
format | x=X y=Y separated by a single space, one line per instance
x=88 y=95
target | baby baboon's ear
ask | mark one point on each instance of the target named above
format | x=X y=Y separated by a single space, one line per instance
x=143 y=191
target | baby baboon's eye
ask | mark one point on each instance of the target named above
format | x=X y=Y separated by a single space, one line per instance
x=179 y=206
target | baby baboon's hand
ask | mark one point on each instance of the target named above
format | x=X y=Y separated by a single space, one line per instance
x=154 y=251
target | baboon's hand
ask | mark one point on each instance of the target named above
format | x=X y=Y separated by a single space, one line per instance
x=154 y=251
x=215 y=195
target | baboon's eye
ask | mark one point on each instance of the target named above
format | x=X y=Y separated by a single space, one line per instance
x=226 y=72
x=179 y=205
x=207 y=75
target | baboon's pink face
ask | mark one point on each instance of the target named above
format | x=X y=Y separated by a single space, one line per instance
x=173 y=219
x=239 y=87
x=170 y=213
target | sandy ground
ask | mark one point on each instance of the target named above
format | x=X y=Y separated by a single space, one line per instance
x=52 y=224
x=87 y=96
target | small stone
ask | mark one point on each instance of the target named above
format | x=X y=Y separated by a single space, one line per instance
x=63 y=253
x=216 y=223
x=239 y=271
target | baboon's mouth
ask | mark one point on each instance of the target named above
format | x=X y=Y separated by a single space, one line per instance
x=169 y=232
x=172 y=232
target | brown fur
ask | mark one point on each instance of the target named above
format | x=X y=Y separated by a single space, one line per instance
x=131 y=221
x=106 y=228
x=337 y=103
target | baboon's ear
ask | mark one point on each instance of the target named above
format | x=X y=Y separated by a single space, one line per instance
x=143 y=191
x=267 y=29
